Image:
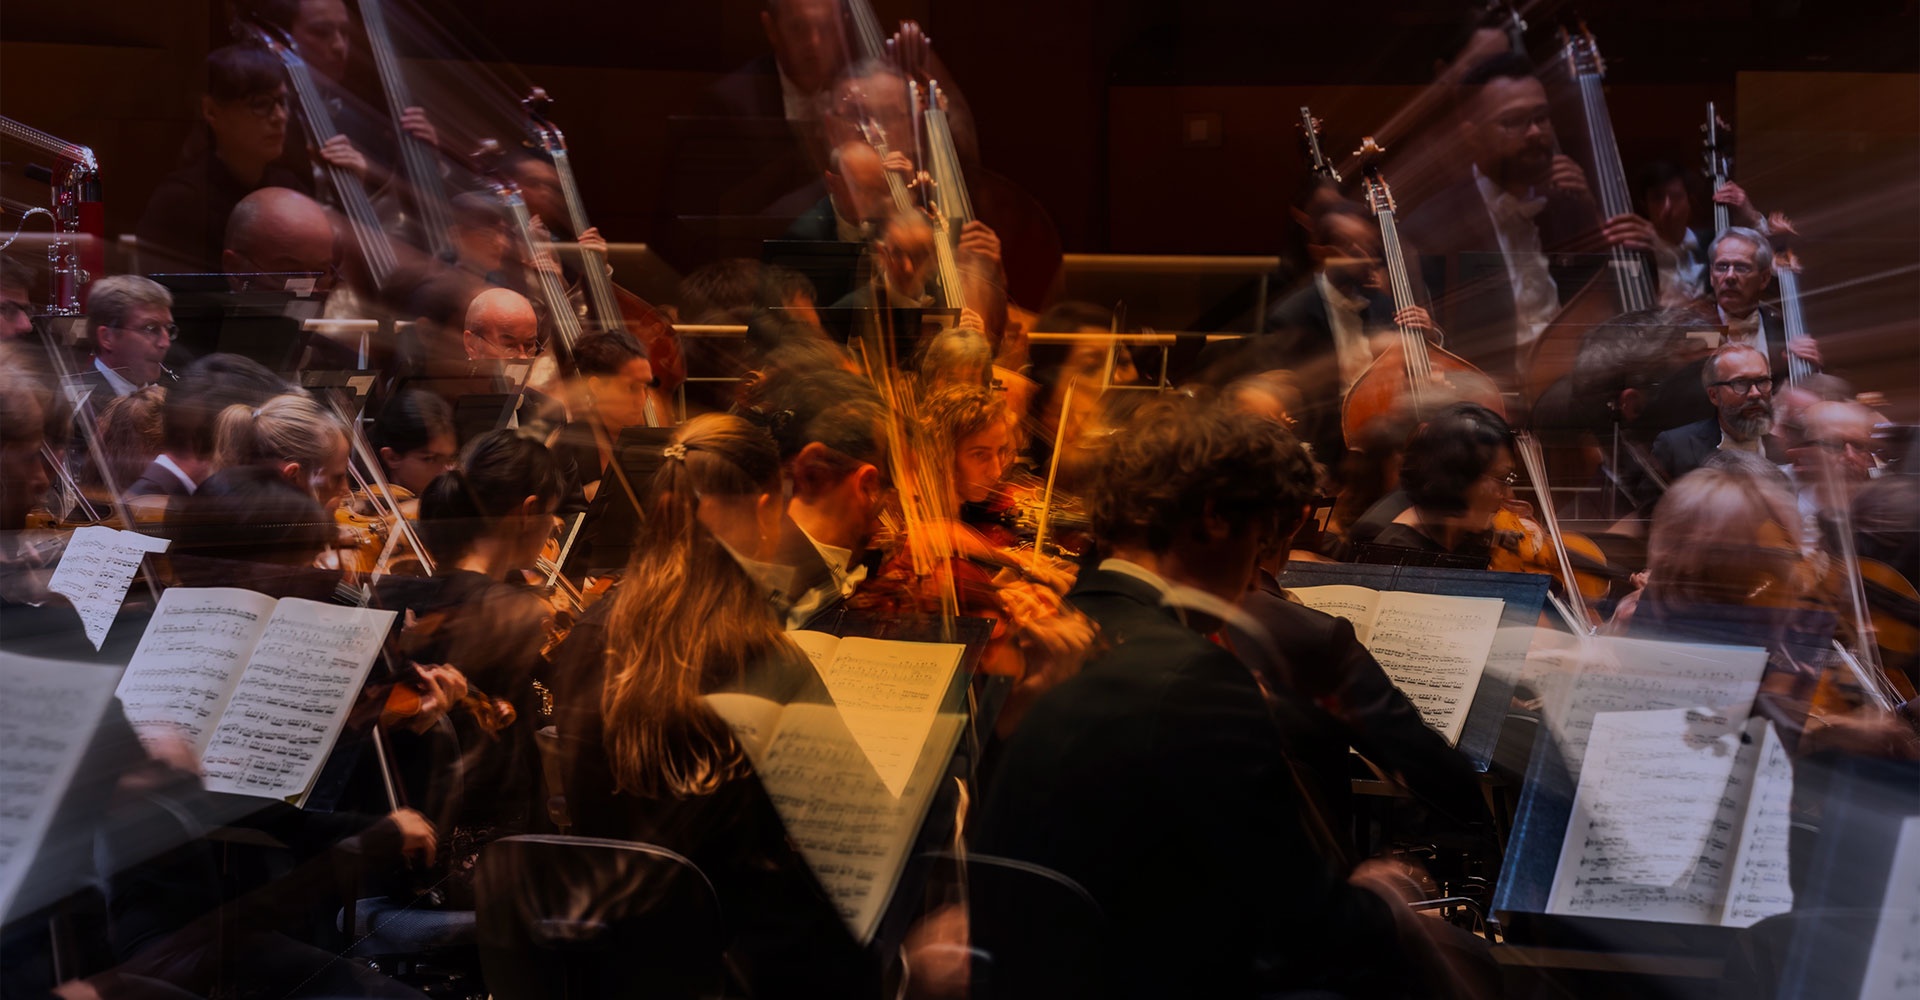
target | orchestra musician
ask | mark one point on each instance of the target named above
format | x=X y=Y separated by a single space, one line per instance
x=1458 y=471
x=1739 y=383
x=1492 y=241
x=206 y=388
x=130 y=324
x=16 y=299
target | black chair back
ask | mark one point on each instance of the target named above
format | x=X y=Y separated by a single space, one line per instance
x=572 y=918
x=1034 y=931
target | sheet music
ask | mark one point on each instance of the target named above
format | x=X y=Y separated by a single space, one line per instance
x=818 y=646
x=1893 y=963
x=1435 y=648
x=1656 y=817
x=1758 y=887
x=95 y=571
x=1612 y=674
x=888 y=693
x=853 y=830
x=752 y=718
x=187 y=663
x=47 y=721
x=1341 y=600
x=293 y=698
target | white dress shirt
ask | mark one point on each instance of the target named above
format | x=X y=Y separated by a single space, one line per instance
x=1535 y=298
x=1350 y=343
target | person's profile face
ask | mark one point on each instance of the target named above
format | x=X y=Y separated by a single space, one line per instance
x=252 y=128
x=808 y=41
x=413 y=470
x=1669 y=207
x=24 y=477
x=16 y=312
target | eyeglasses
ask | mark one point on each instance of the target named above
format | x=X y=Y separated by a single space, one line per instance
x=1735 y=267
x=153 y=330
x=1743 y=386
x=1523 y=121
x=10 y=309
x=1510 y=480
x=265 y=105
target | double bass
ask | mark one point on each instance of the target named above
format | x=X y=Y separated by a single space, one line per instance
x=1410 y=376
x=1627 y=284
x=608 y=306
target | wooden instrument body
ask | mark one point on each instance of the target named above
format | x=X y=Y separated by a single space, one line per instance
x=1384 y=390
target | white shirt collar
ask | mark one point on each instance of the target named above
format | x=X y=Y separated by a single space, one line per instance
x=119 y=383
x=1728 y=444
x=166 y=462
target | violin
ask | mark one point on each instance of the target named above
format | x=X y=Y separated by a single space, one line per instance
x=1410 y=376
x=1521 y=545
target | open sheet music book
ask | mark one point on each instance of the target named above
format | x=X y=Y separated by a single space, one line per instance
x=1893 y=960
x=852 y=781
x=259 y=687
x=1680 y=817
x=1433 y=647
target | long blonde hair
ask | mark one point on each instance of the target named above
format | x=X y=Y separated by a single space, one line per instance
x=689 y=620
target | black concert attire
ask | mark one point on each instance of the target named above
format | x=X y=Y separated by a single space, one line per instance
x=1158 y=779
x=1349 y=701
x=787 y=938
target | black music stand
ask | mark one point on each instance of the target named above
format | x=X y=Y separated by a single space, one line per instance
x=613 y=518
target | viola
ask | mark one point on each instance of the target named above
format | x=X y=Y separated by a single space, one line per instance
x=1410 y=376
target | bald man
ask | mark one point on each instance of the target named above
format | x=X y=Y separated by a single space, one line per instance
x=857 y=194
x=275 y=232
x=501 y=326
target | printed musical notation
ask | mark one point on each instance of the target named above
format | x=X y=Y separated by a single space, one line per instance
x=888 y=693
x=259 y=687
x=1434 y=647
x=47 y=721
x=1893 y=961
x=1611 y=674
x=1680 y=817
x=300 y=681
x=95 y=570
x=854 y=831
x=1758 y=887
x=185 y=667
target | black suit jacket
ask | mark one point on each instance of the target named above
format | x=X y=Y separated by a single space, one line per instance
x=1350 y=702
x=157 y=480
x=1466 y=273
x=1684 y=449
x=1157 y=778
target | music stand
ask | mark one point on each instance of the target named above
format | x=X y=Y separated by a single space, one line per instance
x=613 y=519
x=256 y=322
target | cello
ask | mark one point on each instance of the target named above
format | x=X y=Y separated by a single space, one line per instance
x=420 y=161
x=1410 y=376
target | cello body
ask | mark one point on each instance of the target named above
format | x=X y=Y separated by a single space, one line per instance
x=1384 y=390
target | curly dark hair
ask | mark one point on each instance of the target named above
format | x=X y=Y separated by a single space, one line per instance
x=1448 y=454
x=1179 y=456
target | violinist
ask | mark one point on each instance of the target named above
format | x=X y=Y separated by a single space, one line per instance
x=608 y=394
x=1492 y=237
x=416 y=440
x=128 y=432
x=647 y=757
x=294 y=438
x=244 y=108
x=484 y=522
x=1832 y=459
x=1458 y=472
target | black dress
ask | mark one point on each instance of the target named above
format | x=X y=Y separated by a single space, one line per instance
x=787 y=937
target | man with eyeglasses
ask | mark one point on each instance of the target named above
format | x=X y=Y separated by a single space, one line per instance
x=16 y=299
x=130 y=324
x=1740 y=266
x=1739 y=384
x=1496 y=242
